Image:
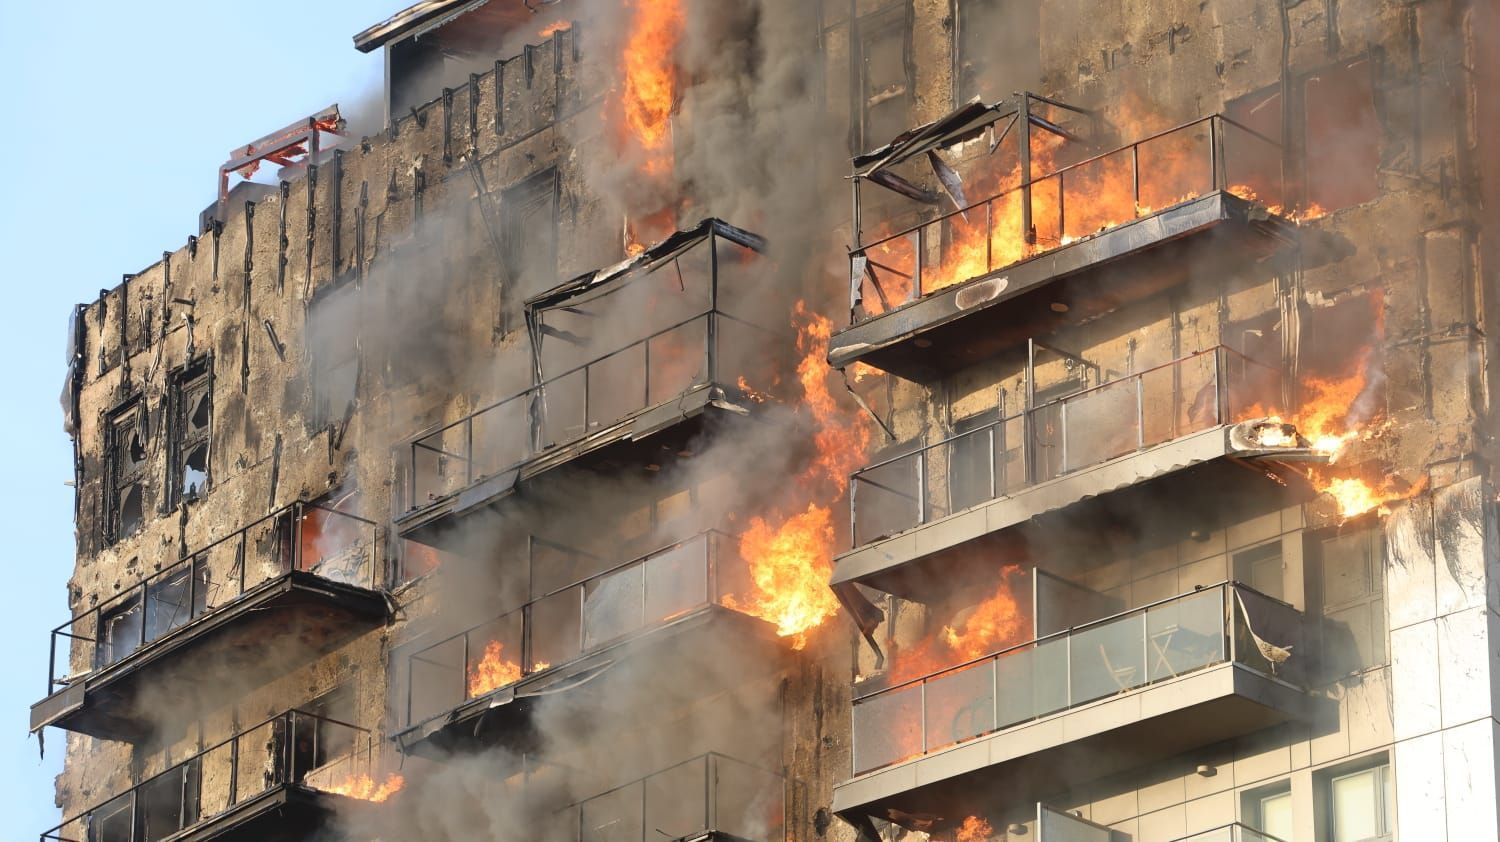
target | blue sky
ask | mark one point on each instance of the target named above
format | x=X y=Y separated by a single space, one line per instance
x=117 y=116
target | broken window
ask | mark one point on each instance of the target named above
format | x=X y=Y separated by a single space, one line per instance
x=333 y=354
x=113 y=822
x=121 y=630
x=169 y=802
x=323 y=736
x=1338 y=139
x=885 y=93
x=1351 y=582
x=997 y=48
x=191 y=407
x=528 y=211
x=1343 y=135
x=125 y=506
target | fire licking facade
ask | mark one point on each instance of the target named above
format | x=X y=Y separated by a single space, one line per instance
x=573 y=457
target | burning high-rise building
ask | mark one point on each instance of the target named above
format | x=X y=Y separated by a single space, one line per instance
x=576 y=459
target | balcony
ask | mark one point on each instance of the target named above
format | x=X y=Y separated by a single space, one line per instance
x=1171 y=428
x=1057 y=249
x=632 y=363
x=276 y=782
x=298 y=583
x=708 y=797
x=479 y=686
x=1088 y=701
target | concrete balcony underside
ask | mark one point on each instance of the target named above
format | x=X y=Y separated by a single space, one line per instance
x=1175 y=474
x=651 y=436
x=1112 y=735
x=960 y=325
x=289 y=813
x=272 y=627
x=503 y=717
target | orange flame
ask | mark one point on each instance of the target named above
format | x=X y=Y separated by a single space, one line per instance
x=973 y=829
x=555 y=27
x=493 y=670
x=364 y=788
x=994 y=624
x=651 y=76
x=790 y=554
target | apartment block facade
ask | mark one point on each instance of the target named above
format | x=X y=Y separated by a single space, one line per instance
x=853 y=419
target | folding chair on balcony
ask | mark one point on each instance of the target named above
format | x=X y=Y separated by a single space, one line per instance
x=1124 y=676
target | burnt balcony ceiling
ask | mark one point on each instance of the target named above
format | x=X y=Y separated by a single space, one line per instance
x=1055 y=250
x=1132 y=448
x=632 y=364
x=282 y=591
x=479 y=688
x=278 y=781
x=1096 y=699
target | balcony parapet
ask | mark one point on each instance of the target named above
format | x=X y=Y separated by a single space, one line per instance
x=308 y=558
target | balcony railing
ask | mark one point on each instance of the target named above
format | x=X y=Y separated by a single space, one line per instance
x=291 y=748
x=1235 y=832
x=573 y=621
x=708 y=348
x=1224 y=623
x=708 y=794
x=1203 y=390
x=1137 y=180
x=308 y=537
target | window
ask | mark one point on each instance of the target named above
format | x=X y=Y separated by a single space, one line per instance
x=528 y=221
x=997 y=48
x=885 y=89
x=126 y=471
x=112 y=822
x=1273 y=814
x=1260 y=568
x=191 y=408
x=1351 y=581
x=1361 y=805
x=333 y=354
x=169 y=802
x=1339 y=138
x=121 y=631
x=323 y=737
x=970 y=461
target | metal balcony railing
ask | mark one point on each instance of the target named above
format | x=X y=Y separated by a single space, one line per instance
x=1137 y=180
x=1235 y=832
x=705 y=343
x=1200 y=391
x=1223 y=623
x=573 y=621
x=711 y=793
x=291 y=748
x=308 y=537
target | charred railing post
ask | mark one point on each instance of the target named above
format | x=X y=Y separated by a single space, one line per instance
x=1023 y=122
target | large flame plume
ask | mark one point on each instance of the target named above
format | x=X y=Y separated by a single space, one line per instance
x=973 y=829
x=790 y=552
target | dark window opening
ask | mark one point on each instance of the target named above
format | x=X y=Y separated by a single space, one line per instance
x=528 y=211
x=126 y=467
x=997 y=48
x=1338 y=141
x=323 y=737
x=121 y=630
x=885 y=88
x=168 y=803
x=191 y=405
x=1343 y=135
x=174 y=599
x=112 y=822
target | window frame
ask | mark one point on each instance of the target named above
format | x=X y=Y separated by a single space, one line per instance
x=126 y=420
x=188 y=383
x=894 y=17
x=1383 y=806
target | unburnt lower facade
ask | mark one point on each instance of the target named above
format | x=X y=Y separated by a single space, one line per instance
x=494 y=474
